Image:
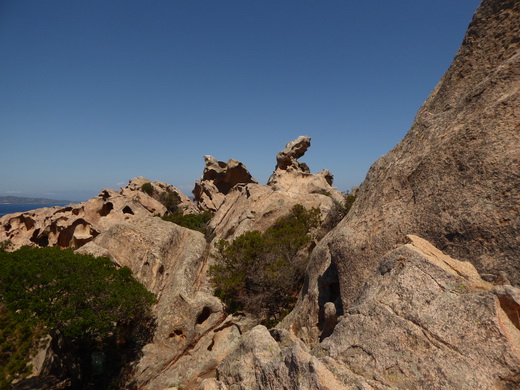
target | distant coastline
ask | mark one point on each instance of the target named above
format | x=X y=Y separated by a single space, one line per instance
x=23 y=200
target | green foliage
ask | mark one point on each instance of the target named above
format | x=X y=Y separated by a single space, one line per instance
x=171 y=201
x=339 y=211
x=147 y=188
x=85 y=299
x=262 y=273
x=16 y=340
x=197 y=222
x=349 y=201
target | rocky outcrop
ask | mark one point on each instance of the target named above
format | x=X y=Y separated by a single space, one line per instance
x=217 y=180
x=423 y=321
x=193 y=333
x=71 y=226
x=256 y=207
x=293 y=176
x=452 y=180
x=152 y=202
x=77 y=224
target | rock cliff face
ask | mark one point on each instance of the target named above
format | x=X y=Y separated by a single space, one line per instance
x=452 y=180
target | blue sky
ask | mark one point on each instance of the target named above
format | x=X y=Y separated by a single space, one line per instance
x=94 y=93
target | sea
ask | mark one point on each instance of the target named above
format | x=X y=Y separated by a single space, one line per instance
x=8 y=208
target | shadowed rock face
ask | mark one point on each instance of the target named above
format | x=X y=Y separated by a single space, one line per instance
x=453 y=179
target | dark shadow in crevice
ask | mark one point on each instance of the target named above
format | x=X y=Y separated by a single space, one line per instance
x=329 y=291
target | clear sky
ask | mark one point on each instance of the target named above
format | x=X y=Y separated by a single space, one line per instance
x=96 y=92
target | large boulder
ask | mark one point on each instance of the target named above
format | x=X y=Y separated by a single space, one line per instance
x=453 y=179
x=217 y=180
x=423 y=321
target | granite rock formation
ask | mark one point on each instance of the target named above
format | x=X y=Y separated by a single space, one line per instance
x=256 y=207
x=153 y=202
x=452 y=180
x=293 y=176
x=193 y=331
x=217 y=180
x=71 y=226
x=423 y=321
x=74 y=225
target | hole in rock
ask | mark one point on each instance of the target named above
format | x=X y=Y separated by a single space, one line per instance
x=43 y=241
x=210 y=346
x=77 y=234
x=161 y=269
x=204 y=315
x=106 y=209
x=34 y=237
x=176 y=333
x=128 y=210
x=329 y=292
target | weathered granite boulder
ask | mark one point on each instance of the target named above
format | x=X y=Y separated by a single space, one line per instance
x=217 y=180
x=453 y=179
x=423 y=321
x=159 y=189
x=293 y=176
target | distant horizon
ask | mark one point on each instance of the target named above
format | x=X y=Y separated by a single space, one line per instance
x=95 y=93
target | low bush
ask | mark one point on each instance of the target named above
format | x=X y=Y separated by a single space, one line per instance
x=147 y=188
x=262 y=273
x=339 y=211
x=85 y=300
x=197 y=222
x=171 y=201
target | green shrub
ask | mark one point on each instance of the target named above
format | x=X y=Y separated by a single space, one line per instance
x=147 y=188
x=262 y=273
x=171 y=201
x=339 y=211
x=90 y=303
x=197 y=222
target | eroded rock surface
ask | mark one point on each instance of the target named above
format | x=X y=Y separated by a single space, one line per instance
x=453 y=179
x=217 y=180
x=256 y=207
x=423 y=321
x=71 y=226
x=193 y=333
x=293 y=176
